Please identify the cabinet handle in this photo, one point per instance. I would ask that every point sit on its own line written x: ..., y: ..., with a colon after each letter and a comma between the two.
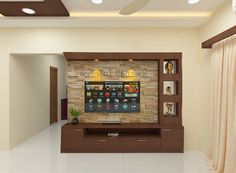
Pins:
x: 77, y: 130
x: 141, y: 140
x: 102, y: 140
x: 167, y: 130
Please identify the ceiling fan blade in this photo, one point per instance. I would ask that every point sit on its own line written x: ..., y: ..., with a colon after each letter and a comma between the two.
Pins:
x: 133, y: 7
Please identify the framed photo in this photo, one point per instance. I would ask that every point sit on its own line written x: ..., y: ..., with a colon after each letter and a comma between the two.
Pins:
x: 170, y: 109
x: 170, y: 67
x: 170, y: 88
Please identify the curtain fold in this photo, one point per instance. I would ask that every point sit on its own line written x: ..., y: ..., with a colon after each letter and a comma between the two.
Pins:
x: 223, y: 116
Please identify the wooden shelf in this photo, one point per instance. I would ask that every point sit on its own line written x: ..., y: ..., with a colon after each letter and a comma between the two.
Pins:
x: 152, y: 136
x: 171, y: 77
x: 171, y: 98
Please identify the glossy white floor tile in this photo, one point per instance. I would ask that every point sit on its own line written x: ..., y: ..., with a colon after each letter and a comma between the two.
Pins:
x: 41, y: 154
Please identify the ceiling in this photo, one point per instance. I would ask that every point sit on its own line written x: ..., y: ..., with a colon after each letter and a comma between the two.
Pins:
x: 153, y: 5
x: 157, y: 13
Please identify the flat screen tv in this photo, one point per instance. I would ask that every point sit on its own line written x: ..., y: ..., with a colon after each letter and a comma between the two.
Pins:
x: 112, y: 96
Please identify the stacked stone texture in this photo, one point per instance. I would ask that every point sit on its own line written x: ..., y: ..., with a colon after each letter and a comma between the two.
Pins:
x: 145, y: 71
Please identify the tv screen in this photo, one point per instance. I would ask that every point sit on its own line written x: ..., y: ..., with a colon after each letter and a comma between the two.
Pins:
x: 112, y: 96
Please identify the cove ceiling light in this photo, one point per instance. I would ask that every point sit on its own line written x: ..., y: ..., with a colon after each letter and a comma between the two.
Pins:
x: 193, y: 1
x: 97, y: 1
x: 28, y: 10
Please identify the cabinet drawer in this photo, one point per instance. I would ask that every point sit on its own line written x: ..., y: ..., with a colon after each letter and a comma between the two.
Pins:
x: 172, y: 135
x: 172, y: 139
x: 73, y: 135
x: 97, y: 142
x: 169, y: 131
x: 172, y: 147
x: 103, y: 145
x: 143, y: 144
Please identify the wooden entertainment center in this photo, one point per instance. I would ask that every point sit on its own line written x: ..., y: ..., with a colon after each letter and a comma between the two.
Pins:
x: 132, y: 138
x: 165, y: 136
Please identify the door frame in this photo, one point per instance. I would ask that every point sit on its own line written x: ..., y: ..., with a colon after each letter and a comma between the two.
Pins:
x: 53, y: 113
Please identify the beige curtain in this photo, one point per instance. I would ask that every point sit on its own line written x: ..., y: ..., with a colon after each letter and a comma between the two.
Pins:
x: 223, y: 131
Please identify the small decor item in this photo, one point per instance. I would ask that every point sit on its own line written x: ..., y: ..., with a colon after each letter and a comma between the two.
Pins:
x: 169, y: 88
x: 169, y: 66
x: 169, y: 109
x: 75, y: 115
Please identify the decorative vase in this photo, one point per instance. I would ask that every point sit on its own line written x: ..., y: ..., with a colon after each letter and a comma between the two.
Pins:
x: 75, y: 121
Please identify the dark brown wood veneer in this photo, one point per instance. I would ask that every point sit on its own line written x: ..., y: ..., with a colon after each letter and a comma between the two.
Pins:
x: 138, y: 138
x: 229, y: 32
x: 106, y: 56
x: 46, y: 8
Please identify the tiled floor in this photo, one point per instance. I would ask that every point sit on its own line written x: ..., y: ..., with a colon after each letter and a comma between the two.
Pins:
x: 41, y: 154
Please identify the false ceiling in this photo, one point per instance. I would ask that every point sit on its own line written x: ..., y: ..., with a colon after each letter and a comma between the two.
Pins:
x: 83, y: 13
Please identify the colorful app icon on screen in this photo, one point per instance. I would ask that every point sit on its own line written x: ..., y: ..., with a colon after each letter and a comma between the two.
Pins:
x: 108, y: 100
x: 99, y: 100
x: 113, y: 94
x: 95, y: 94
x: 116, y: 107
x: 120, y: 94
x: 90, y: 100
x: 99, y: 106
x: 90, y: 107
x: 100, y: 94
x: 100, y: 87
x: 116, y: 100
x: 133, y: 107
x: 107, y: 94
x: 89, y: 94
x: 125, y: 100
x: 108, y: 107
x: 125, y: 106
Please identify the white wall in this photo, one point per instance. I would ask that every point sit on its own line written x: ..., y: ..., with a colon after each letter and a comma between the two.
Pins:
x: 132, y: 39
x: 4, y: 98
x: 29, y: 93
x: 222, y: 19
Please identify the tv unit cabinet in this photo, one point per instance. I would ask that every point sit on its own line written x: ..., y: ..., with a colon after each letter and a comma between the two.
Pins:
x: 138, y: 138
x: 165, y: 136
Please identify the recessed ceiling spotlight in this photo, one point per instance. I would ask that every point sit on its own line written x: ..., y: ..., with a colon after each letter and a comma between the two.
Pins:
x: 28, y: 10
x: 97, y: 1
x: 193, y: 1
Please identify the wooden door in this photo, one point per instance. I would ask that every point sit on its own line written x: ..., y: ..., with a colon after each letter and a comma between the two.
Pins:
x: 53, y: 95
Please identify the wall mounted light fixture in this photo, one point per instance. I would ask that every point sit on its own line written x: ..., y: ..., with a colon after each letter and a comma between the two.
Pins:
x: 96, y: 75
x: 131, y: 75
